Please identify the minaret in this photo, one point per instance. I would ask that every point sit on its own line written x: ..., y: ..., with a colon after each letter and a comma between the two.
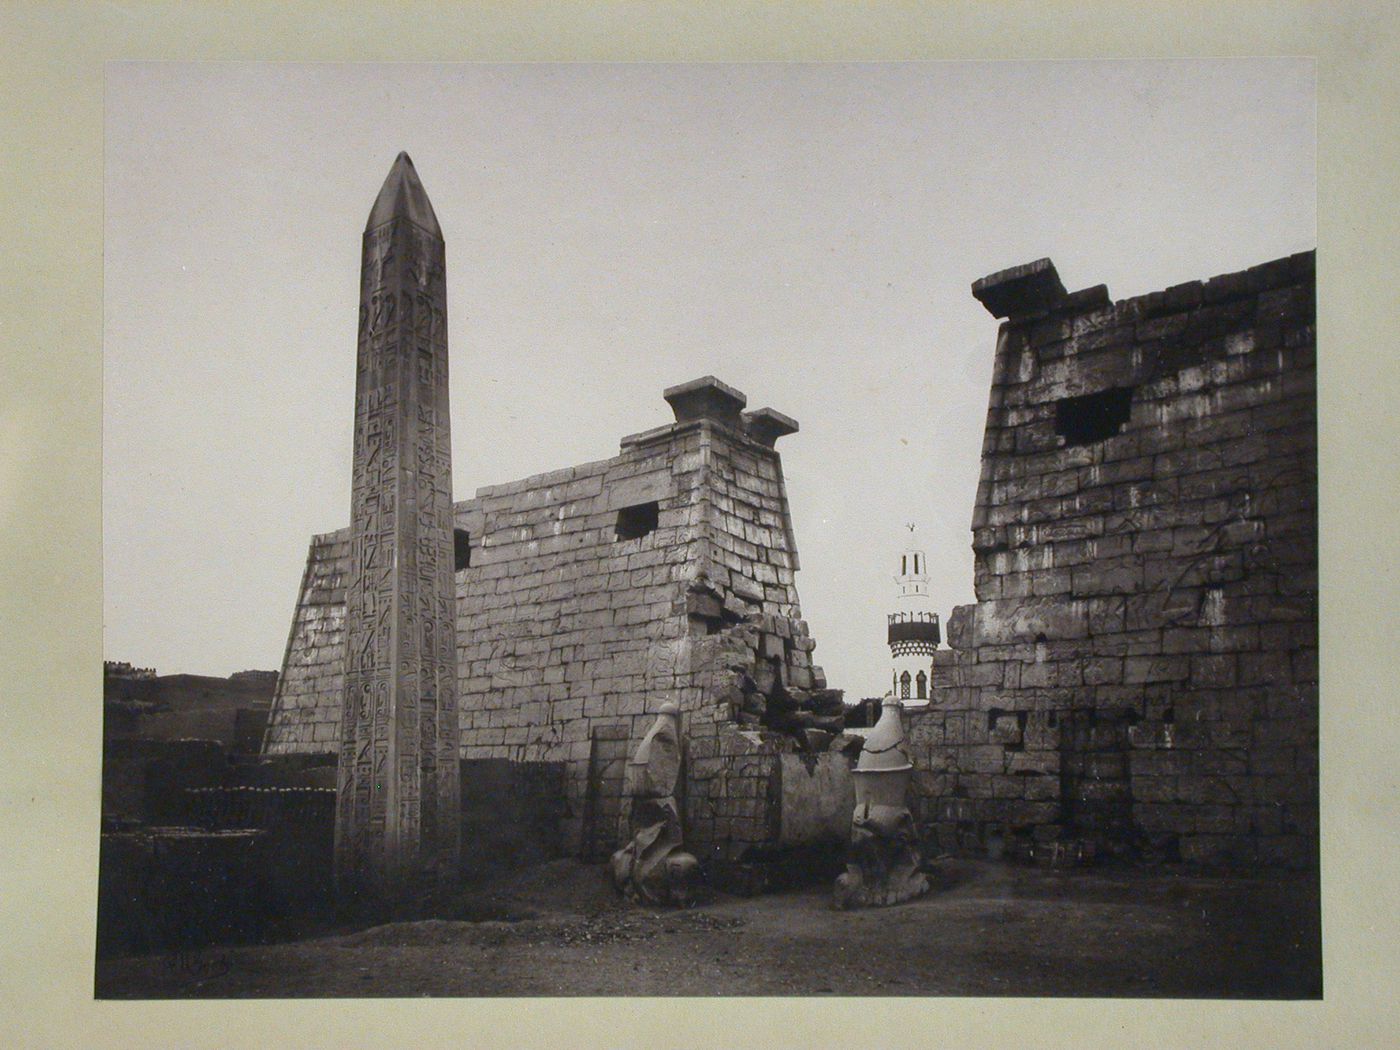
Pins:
x: 397, y: 806
x: 913, y: 629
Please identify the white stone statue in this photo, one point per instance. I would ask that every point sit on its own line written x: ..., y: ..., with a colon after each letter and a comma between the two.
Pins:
x: 884, y: 858
x: 652, y: 867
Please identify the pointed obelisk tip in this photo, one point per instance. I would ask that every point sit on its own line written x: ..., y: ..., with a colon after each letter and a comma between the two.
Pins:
x: 402, y: 197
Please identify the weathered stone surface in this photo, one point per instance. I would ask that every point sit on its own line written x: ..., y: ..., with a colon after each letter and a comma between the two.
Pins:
x: 766, y: 425
x: 1020, y: 290
x: 706, y: 398
x: 817, y: 796
x: 1036, y: 619
x: 1140, y: 586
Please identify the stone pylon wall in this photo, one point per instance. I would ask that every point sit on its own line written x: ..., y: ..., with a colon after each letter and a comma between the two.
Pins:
x: 306, y: 706
x: 1140, y: 670
x: 569, y: 631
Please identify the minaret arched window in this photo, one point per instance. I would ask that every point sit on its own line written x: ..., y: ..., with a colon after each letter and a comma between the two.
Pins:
x: 921, y: 685
x: 904, y: 686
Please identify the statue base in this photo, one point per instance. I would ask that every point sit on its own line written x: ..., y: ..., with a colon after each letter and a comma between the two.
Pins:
x: 884, y: 862
x: 652, y: 868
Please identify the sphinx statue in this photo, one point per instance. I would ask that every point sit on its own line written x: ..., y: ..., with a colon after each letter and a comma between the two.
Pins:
x: 883, y: 859
x: 652, y: 867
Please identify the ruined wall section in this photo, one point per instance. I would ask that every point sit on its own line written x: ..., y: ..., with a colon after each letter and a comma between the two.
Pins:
x: 751, y: 651
x: 306, y: 709
x: 1140, y: 671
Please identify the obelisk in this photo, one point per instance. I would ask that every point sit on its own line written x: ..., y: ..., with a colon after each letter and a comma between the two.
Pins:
x: 397, y: 804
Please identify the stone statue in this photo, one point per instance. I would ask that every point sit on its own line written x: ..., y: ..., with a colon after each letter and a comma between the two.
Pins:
x: 652, y: 867
x: 883, y: 861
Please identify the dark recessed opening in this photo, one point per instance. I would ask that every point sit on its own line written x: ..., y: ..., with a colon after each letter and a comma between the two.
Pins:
x: 637, y: 520
x: 1093, y: 417
x: 461, y: 550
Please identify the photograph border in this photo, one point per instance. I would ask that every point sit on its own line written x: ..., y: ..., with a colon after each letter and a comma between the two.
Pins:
x: 52, y: 469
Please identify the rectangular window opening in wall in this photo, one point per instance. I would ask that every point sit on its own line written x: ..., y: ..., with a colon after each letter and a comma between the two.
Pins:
x: 461, y: 550
x: 1093, y: 417
x: 637, y: 520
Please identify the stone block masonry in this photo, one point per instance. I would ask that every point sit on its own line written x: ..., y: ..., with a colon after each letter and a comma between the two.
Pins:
x: 307, y: 704
x: 588, y: 596
x: 1139, y: 673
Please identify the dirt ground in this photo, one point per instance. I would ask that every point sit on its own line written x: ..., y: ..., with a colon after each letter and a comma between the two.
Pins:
x: 985, y: 930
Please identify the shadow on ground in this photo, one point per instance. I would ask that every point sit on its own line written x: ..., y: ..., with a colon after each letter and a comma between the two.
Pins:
x: 985, y: 930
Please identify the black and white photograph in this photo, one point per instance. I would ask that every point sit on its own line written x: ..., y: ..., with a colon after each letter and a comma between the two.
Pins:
x: 710, y: 530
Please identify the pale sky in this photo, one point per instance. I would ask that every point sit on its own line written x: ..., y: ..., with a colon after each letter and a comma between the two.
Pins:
x: 807, y: 233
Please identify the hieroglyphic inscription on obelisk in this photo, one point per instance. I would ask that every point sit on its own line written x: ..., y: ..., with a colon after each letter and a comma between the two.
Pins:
x: 397, y: 807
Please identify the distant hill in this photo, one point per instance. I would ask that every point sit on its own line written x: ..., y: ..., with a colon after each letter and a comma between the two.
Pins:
x: 230, y: 710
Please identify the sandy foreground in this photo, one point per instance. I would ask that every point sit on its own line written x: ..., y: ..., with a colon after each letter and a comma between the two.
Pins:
x: 986, y: 929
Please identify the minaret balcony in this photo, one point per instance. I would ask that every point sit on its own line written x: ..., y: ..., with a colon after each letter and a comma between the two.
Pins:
x: 913, y: 633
